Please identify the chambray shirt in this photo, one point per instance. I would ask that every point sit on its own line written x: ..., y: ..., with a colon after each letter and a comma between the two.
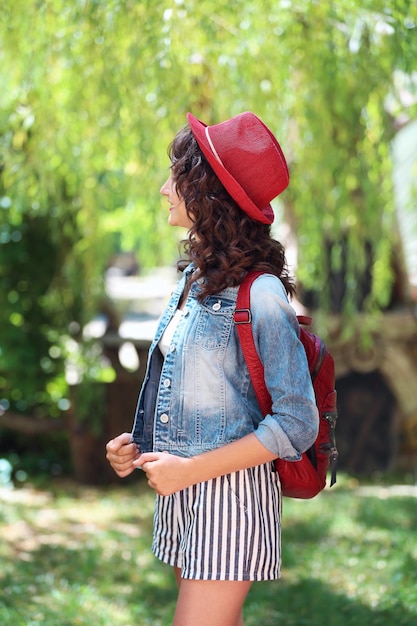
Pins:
x: 200, y: 396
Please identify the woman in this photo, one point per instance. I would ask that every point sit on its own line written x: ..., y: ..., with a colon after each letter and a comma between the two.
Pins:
x: 199, y: 435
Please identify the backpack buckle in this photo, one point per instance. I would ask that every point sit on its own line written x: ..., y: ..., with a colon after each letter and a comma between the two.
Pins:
x: 242, y: 316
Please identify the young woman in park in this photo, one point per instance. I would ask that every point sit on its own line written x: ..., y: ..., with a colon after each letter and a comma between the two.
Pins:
x: 199, y: 435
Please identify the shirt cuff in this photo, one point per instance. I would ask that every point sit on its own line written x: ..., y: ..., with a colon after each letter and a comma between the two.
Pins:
x: 271, y: 435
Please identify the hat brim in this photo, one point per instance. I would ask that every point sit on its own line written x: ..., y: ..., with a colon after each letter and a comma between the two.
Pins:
x: 266, y: 216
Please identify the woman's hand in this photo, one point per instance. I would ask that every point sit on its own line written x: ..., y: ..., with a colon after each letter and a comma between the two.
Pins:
x: 166, y: 473
x: 121, y: 453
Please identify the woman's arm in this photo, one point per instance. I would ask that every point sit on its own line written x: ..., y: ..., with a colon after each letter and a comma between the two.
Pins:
x: 292, y: 426
x: 168, y: 473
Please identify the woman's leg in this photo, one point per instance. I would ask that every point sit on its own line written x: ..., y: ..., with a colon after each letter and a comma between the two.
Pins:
x: 177, y: 572
x: 210, y: 602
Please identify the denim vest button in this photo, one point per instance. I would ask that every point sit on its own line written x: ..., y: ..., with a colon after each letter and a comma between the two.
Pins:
x: 167, y: 382
x: 172, y: 347
x: 217, y: 306
x: 164, y: 418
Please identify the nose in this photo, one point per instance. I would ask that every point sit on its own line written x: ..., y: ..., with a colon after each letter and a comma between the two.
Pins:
x: 165, y: 189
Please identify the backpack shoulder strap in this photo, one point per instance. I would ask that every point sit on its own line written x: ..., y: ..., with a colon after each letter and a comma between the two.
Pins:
x: 243, y: 321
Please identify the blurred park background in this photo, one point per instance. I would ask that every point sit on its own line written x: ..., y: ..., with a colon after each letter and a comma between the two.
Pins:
x: 91, y: 95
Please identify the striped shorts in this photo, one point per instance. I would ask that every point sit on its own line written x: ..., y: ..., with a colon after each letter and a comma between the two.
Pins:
x: 228, y: 528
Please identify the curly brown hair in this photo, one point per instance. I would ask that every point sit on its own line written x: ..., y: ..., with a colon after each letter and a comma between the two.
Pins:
x: 223, y: 242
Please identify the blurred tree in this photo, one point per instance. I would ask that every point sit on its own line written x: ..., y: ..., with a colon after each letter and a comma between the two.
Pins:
x: 92, y: 93
x: 353, y: 60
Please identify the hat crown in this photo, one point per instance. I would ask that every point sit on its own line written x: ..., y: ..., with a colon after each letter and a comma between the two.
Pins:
x: 247, y: 159
x: 252, y: 155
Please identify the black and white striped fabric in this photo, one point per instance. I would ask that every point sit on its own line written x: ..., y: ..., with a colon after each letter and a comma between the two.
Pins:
x: 228, y: 528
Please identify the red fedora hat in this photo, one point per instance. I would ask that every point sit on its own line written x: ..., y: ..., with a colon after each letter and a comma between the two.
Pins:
x: 247, y: 159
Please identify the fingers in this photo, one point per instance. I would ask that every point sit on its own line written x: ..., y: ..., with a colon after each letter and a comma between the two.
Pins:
x: 123, y: 457
x: 128, y: 451
x: 148, y: 457
x: 141, y: 460
x: 116, y: 443
x: 121, y: 452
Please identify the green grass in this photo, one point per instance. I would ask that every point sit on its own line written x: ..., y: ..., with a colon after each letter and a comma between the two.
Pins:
x: 71, y: 555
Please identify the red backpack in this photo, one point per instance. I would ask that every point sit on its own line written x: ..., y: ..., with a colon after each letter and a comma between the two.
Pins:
x: 305, y: 478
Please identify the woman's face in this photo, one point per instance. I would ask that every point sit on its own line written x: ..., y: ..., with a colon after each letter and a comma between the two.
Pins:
x: 177, y: 212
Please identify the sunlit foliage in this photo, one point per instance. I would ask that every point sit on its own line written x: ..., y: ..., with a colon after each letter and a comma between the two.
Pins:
x: 92, y: 93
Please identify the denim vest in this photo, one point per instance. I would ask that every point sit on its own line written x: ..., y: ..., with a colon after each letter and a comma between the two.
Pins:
x: 200, y: 396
